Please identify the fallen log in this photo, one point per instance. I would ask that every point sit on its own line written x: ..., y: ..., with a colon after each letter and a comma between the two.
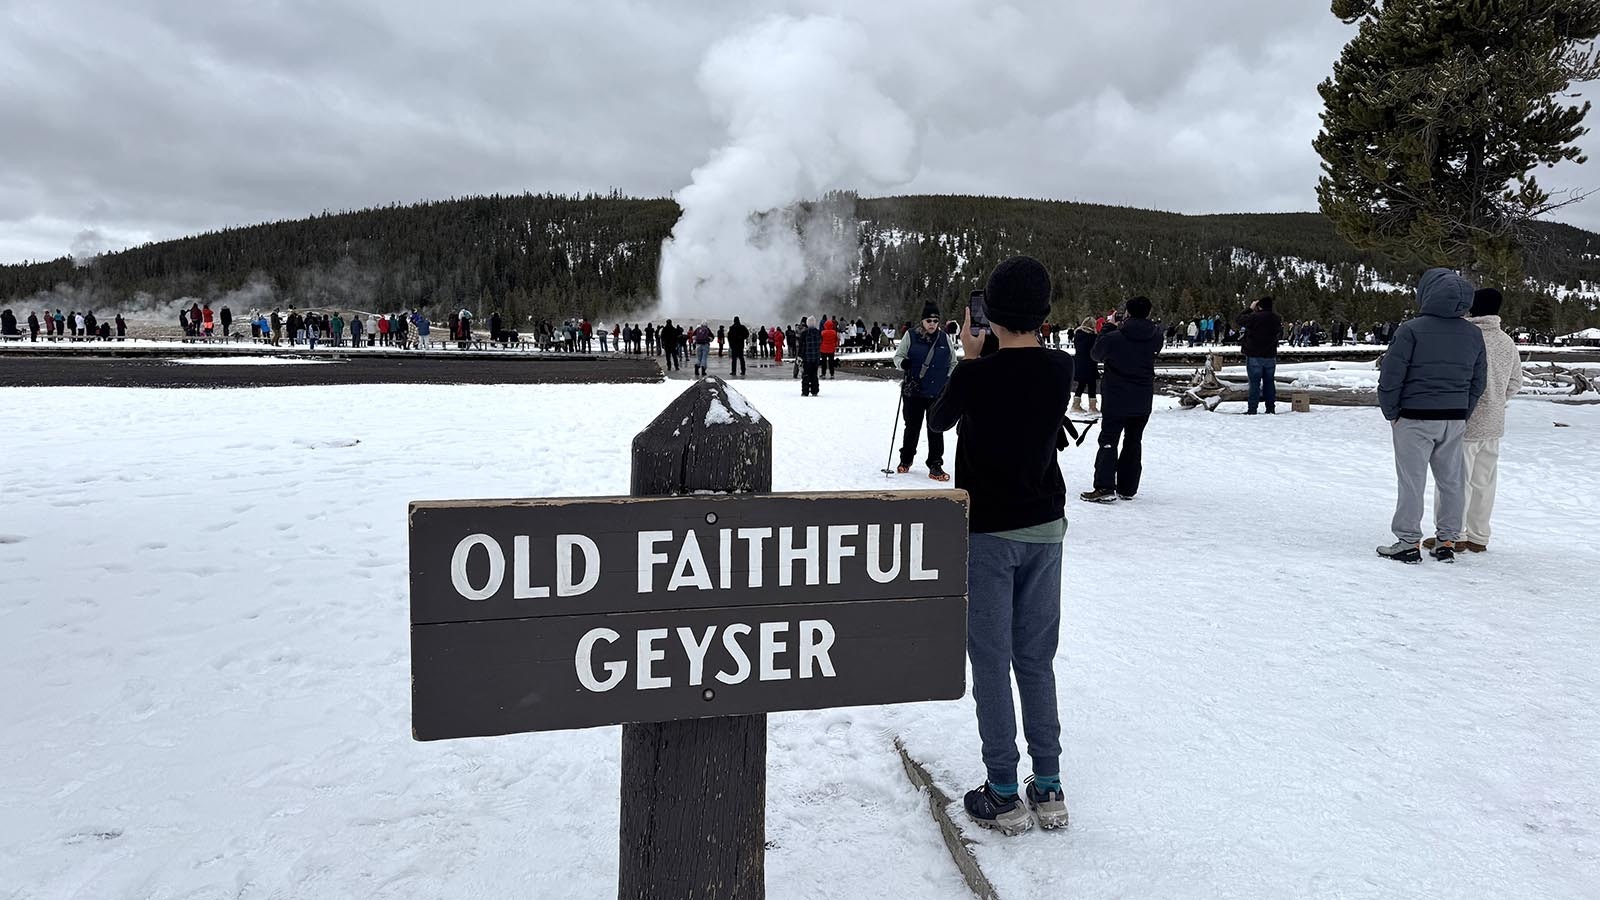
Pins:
x: 1193, y: 398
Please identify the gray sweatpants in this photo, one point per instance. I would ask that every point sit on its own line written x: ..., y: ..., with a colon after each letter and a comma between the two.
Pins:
x: 1419, y: 445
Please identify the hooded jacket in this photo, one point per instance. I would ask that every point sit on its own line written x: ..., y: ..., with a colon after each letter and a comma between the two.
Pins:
x: 1488, y: 421
x: 1262, y: 329
x: 830, y: 338
x: 1084, y: 368
x: 1129, y: 353
x: 1436, y: 366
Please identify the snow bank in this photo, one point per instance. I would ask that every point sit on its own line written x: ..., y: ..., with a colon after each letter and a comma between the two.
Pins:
x: 205, y: 654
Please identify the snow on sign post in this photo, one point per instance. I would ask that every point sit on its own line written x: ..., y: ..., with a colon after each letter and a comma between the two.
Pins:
x: 686, y: 612
x: 533, y: 615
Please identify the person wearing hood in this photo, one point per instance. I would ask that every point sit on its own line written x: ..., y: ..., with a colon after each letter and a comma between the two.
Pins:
x: 1127, y: 346
x: 1085, y: 371
x: 808, y: 353
x: 1487, y: 424
x: 33, y: 326
x: 8, y: 324
x: 1432, y: 376
x: 1010, y: 404
x: 1261, y: 328
x: 830, y: 346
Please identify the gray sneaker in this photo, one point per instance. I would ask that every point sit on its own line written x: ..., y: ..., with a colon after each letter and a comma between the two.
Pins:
x: 1400, y: 551
x: 1049, y: 806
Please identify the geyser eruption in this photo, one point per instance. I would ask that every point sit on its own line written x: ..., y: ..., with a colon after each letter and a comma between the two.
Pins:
x: 805, y: 116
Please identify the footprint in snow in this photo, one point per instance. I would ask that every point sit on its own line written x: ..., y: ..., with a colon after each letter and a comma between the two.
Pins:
x: 11, y: 538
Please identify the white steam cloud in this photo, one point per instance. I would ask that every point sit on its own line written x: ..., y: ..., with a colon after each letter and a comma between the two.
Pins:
x: 805, y: 115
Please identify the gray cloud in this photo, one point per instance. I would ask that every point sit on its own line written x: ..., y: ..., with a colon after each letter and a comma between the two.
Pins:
x: 156, y: 120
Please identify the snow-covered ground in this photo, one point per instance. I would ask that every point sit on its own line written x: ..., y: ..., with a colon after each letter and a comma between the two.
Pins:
x: 203, y: 641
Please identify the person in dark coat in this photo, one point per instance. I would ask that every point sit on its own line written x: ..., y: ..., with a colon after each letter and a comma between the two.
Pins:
x: 122, y: 328
x: 1261, y: 329
x: 738, y: 337
x: 1085, y: 371
x: 808, y: 342
x: 1128, y: 348
x: 33, y: 326
x: 8, y: 324
x: 927, y: 358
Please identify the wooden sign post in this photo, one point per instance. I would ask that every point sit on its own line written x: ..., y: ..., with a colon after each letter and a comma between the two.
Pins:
x: 685, y: 613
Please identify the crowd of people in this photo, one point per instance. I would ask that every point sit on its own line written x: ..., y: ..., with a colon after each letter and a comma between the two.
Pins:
x: 1446, y: 379
x: 60, y: 326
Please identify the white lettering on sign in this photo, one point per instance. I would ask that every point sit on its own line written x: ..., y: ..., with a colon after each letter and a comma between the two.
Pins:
x: 730, y: 643
x: 874, y: 555
x: 816, y: 639
x: 691, y: 568
x: 565, y: 544
x: 585, y: 661
x: 649, y: 558
x: 754, y: 536
x: 697, y: 652
x: 648, y: 657
x: 837, y: 549
x: 458, y: 567
x: 770, y: 648
x: 918, y: 573
x: 522, y: 579
x: 651, y: 647
x: 788, y: 554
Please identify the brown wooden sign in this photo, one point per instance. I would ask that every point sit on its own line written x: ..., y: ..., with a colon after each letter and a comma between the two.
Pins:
x: 534, y: 615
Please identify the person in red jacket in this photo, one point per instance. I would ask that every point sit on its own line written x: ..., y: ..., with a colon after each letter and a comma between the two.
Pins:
x: 775, y: 337
x: 830, y: 346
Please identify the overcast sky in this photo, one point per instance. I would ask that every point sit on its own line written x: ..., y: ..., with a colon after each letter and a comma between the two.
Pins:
x: 127, y: 122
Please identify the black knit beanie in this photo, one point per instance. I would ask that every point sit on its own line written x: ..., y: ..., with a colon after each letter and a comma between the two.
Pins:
x: 1486, y: 302
x: 930, y: 310
x: 1018, y: 294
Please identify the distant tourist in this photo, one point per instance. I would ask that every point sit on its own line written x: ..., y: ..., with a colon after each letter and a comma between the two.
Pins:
x: 1261, y: 329
x: 1085, y: 371
x: 926, y: 358
x: 1128, y: 347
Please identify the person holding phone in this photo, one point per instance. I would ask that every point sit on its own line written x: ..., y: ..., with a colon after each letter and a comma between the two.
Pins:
x: 1010, y: 404
x: 927, y: 358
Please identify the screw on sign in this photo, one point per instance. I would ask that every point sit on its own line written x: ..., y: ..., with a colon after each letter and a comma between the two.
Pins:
x: 685, y: 615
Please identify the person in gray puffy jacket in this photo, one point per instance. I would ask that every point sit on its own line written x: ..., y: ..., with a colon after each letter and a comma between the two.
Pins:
x: 1431, y: 378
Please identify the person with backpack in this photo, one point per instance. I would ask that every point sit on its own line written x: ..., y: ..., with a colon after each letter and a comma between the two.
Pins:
x: 926, y: 357
x: 1010, y: 405
x: 1127, y: 347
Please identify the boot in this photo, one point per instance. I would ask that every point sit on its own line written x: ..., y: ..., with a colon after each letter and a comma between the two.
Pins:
x: 1077, y: 403
x: 1094, y: 406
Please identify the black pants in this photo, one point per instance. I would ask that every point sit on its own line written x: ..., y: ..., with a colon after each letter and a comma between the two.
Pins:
x: 736, y: 365
x: 830, y: 363
x: 808, y: 377
x: 1120, y: 471
x: 915, y: 409
x: 1087, y: 384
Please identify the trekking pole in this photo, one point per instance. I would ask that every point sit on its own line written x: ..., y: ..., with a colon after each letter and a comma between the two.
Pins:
x: 888, y: 464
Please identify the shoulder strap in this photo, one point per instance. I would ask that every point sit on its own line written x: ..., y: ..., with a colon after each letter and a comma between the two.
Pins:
x: 927, y: 361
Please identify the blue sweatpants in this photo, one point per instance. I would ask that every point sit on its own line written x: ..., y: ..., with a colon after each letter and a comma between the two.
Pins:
x: 1013, y: 625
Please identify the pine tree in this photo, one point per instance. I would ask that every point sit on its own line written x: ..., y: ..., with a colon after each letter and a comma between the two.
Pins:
x: 1437, y: 113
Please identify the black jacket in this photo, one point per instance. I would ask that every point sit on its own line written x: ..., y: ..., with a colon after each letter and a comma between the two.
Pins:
x: 1084, y: 369
x: 1129, y: 353
x: 1261, y: 332
x: 738, y: 336
x: 1010, y: 405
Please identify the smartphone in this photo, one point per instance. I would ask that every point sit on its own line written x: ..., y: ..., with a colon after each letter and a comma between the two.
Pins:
x: 978, y: 312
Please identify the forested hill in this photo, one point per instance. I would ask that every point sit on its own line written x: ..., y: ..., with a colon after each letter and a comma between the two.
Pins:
x: 551, y: 256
